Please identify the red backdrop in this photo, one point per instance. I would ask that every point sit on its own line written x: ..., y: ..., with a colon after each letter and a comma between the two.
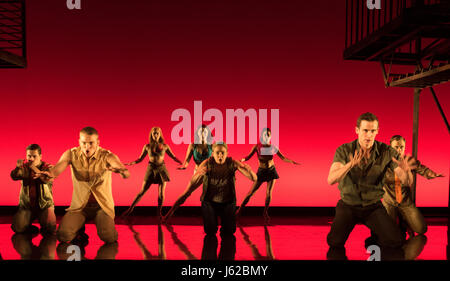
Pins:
x: 123, y: 68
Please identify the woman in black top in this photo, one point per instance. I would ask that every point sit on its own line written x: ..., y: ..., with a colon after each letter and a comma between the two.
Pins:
x: 266, y: 171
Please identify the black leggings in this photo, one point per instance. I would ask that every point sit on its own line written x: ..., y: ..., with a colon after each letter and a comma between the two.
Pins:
x: 226, y: 211
x: 374, y: 217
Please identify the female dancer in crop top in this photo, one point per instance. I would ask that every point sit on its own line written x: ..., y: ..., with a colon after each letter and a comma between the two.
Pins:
x: 266, y: 171
x: 201, y: 149
x: 156, y: 169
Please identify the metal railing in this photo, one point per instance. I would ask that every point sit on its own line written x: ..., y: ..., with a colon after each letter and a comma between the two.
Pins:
x: 12, y: 27
x: 360, y: 21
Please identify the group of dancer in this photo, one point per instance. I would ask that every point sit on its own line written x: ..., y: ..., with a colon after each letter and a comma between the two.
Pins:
x: 92, y: 165
x: 367, y: 172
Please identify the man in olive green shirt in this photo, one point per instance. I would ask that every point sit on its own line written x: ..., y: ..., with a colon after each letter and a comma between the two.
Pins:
x: 36, y: 198
x: 359, y: 167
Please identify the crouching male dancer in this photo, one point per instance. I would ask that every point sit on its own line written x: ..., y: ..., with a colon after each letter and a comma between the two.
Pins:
x: 36, y: 197
x: 360, y: 167
x: 92, y: 198
x: 398, y: 198
x: 217, y: 174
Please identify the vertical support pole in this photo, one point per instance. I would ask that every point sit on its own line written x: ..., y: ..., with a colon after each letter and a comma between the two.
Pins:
x: 415, y: 136
x: 448, y: 224
x: 346, y: 23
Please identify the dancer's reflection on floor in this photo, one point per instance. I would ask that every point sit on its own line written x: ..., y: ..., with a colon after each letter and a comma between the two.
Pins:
x: 183, y: 247
x: 255, y: 251
x: 24, y: 246
x: 145, y: 252
x: 227, y: 247
x: 107, y: 251
x: 412, y: 247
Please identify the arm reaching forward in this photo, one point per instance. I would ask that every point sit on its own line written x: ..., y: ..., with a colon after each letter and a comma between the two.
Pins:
x: 63, y: 163
x: 246, y: 170
x: 141, y: 157
x: 403, y: 171
x: 116, y: 166
x: 339, y: 170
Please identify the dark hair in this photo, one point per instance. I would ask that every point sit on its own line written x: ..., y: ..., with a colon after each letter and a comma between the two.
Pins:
x: 366, y: 117
x: 34, y: 146
x: 264, y: 130
x: 209, y: 137
x: 220, y: 143
x: 397, y: 138
x: 89, y: 131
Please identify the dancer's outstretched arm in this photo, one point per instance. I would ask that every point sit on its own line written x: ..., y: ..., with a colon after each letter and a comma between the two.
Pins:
x: 246, y: 170
x: 62, y: 164
x: 116, y: 166
x: 38, y: 173
x: 189, y: 153
x: 141, y: 157
x: 426, y: 172
x: 250, y: 155
x: 285, y: 159
x: 171, y: 155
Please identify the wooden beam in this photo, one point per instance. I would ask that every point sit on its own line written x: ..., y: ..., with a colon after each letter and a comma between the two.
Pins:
x: 383, y: 71
x: 434, y: 75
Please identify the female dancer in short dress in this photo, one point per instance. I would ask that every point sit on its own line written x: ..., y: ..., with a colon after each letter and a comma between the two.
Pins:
x: 201, y: 149
x: 266, y: 171
x: 156, y: 169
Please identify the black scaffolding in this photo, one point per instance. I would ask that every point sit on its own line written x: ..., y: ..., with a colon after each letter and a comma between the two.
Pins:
x: 12, y: 34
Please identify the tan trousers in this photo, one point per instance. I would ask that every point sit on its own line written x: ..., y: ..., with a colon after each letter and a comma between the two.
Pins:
x: 73, y: 221
x: 28, y: 251
x: 410, y: 214
x: 24, y: 217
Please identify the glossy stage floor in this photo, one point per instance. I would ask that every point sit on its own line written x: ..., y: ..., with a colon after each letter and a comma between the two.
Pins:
x: 285, y: 238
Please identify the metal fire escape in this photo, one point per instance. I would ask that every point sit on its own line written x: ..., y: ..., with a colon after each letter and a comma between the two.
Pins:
x: 12, y: 34
x: 410, y: 40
